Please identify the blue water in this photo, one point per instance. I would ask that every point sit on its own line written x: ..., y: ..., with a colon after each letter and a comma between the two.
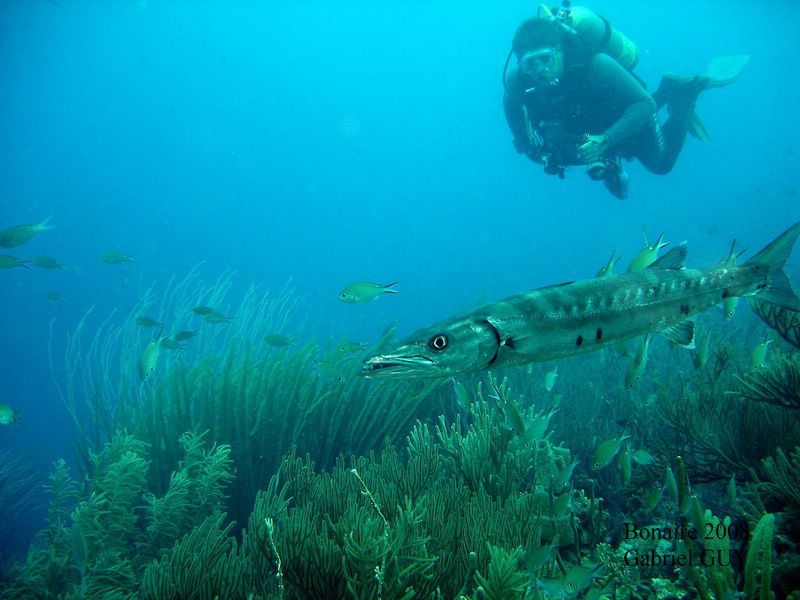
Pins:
x: 325, y: 143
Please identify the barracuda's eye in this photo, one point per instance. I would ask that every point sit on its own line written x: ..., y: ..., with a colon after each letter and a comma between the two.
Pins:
x: 438, y: 342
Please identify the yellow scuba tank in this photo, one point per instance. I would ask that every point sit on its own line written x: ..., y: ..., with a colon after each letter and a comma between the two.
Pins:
x: 596, y: 33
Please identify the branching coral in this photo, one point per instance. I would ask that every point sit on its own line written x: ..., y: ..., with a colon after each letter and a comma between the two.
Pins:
x: 777, y: 384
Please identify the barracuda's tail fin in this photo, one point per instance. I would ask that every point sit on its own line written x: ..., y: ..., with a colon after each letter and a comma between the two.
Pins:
x: 771, y: 259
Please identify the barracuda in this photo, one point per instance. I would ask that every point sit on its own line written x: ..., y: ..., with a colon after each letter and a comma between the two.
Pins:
x: 584, y: 316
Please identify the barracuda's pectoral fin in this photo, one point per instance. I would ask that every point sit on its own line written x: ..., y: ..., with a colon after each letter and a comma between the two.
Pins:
x: 681, y: 334
x: 671, y: 261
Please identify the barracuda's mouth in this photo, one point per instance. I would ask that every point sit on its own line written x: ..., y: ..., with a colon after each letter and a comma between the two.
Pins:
x: 392, y: 365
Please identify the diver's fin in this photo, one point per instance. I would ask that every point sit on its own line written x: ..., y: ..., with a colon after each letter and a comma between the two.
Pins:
x: 724, y: 70
x: 697, y: 128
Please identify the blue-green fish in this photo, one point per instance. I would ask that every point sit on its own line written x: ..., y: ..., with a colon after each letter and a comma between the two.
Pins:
x: 584, y: 316
x: 364, y: 291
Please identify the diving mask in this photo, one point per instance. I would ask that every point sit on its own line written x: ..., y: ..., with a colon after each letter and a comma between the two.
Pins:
x: 537, y: 62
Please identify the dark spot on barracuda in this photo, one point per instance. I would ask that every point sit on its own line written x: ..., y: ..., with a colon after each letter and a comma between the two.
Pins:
x: 579, y: 340
x: 598, y: 335
x: 761, y: 286
x: 725, y: 293
x: 684, y: 309
x: 510, y: 343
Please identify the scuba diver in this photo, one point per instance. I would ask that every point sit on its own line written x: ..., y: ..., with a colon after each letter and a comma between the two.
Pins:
x: 572, y: 99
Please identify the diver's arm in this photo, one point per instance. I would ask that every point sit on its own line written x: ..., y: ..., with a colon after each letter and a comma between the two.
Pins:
x: 611, y: 78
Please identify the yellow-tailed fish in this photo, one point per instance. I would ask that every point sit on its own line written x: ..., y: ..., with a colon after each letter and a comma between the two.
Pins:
x: 145, y: 321
x: 670, y: 483
x: 10, y: 262
x: 625, y: 465
x: 364, y: 291
x: 606, y: 451
x: 169, y: 343
x: 203, y: 310
x: 215, y: 317
x: 701, y: 352
x: 47, y: 262
x: 329, y: 370
x: 642, y: 457
x: 535, y: 558
x: 608, y: 269
x: 729, y: 262
x: 54, y: 295
x: 462, y: 395
x: 729, y: 306
x: 731, y: 491
x: 149, y: 359
x: 182, y: 336
x: 758, y: 357
x: 514, y: 420
x: 17, y: 235
x: 561, y: 480
x: 571, y: 585
x: 8, y: 416
x: 536, y: 428
x: 653, y: 497
x: 350, y: 347
x: 116, y: 258
x: 279, y: 341
x: 647, y: 255
x: 638, y: 364
x: 561, y: 505
x: 550, y: 379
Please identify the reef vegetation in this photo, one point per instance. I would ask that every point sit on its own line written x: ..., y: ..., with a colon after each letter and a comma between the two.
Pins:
x: 234, y: 468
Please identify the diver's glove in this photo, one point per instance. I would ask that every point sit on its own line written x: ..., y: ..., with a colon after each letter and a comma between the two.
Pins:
x: 593, y: 148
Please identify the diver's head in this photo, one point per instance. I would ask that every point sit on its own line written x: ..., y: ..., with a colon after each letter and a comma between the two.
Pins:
x: 539, y: 47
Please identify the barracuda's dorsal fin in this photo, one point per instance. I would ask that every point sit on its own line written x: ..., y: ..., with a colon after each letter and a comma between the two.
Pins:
x: 681, y: 334
x: 672, y: 260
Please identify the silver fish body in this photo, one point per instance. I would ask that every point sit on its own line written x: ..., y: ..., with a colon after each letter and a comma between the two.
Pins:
x: 583, y: 316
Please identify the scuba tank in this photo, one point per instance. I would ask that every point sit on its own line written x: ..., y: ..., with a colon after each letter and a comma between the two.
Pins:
x: 595, y: 32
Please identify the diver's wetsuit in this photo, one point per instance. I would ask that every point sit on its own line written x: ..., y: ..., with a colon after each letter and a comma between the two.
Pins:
x: 598, y: 98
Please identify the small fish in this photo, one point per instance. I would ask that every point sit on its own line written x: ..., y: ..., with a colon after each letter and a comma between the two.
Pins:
x: 116, y: 258
x: 561, y: 505
x: 643, y: 457
x: 731, y: 491
x: 536, y: 428
x: 279, y: 341
x: 329, y: 370
x: 550, y: 379
x: 350, y: 347
x: 625, y: 465
x: 8, y: 416
x: 608, y: 269
x: 364, y: 291
x: 606, y: 451
x: 47, y: 262
x: 54, y: 295
x: 203, y: 310
x: 535, y: 558
x: 182, y: 336
x: 653, y: 497
x: 462, y: 395
x: 169, y: 343
x: 729, y: 306
x: 647, y: 255
x: 758, y: 357
x: 637, y: 365
x: 215, y: 317
x: 149, y: 359
x: 561, y: 480
x: 17, y: 235
x: 145, y: 321
x: 702, y: 350
x: 9, y: 262
x: 670, y: 483
x: 571, y: 585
